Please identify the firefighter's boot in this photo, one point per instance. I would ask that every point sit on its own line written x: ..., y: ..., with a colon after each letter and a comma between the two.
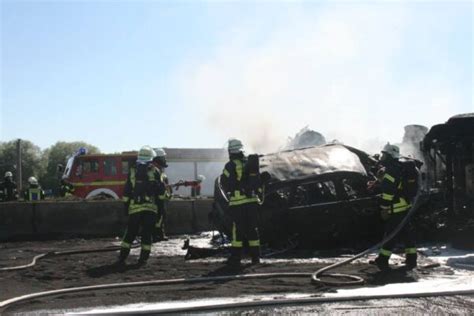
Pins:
x: 144, y: 255
x: 124, y: 252
x: 235, y: 256
x: 410, y: 262
x: 255, y: 254
x: 381, y: 262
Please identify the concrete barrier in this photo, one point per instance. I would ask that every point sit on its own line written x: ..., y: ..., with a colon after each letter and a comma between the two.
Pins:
x: 16, y: 219
x: 62, y: 219
x: 89, y: 218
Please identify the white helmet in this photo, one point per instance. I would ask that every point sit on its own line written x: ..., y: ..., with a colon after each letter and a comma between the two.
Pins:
x: 235, y: 146
x: 391, y: 150
x: 160, y: 152
x: 32, y: 181
x: 8, y: 174
x: 201, y: 178
x: 146, y: 154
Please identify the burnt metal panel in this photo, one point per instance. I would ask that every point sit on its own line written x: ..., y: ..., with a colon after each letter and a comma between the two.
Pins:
x: 309, y: 162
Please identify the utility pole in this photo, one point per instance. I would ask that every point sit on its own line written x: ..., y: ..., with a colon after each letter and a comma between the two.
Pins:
x: 18, y: 166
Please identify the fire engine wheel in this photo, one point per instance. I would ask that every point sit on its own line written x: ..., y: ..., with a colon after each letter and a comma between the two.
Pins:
x: 102, y: 192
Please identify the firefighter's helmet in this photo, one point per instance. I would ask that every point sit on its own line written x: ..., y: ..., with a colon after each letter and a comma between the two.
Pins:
x: 201, y: 178
x: 146, y: 154
x: 160, y: 152
x: 32, y: 181
x: 160, y: 157
x: 234, y: 146
x: 391, y: 150
x: 8, y: 174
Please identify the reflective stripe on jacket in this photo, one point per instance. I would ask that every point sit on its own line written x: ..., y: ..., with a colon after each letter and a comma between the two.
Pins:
x: 149, y: 203
x: 392, y: 199
x: 232, y: 174
x: 34, y: 194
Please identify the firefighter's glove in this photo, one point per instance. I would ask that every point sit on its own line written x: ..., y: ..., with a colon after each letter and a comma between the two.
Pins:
x: 385, y: 213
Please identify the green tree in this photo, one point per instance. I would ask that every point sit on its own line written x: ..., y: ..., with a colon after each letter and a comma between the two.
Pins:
x: 58, y: 154
x: 31, y: 160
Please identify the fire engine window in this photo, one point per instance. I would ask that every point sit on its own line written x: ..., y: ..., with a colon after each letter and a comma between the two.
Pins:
x: 91, y: 166
x: 110, y: 169
x: 125, y: 166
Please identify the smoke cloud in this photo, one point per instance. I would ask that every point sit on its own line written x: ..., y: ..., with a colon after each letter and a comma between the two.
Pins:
x: 335, y: 70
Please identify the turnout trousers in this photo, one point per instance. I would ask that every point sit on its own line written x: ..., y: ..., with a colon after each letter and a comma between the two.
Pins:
x: 245, y: 228
x: 146, y: 221
x: 159, y: 229
x: 406, y: 236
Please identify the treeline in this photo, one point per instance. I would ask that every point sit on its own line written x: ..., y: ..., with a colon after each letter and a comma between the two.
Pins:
x: 39, y: 163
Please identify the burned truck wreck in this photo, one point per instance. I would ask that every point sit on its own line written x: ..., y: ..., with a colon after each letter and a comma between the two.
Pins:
x: 317, y: 196
x: 449, y: 155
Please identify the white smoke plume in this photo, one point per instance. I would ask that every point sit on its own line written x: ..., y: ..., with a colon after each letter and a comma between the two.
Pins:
x: 333, y: 70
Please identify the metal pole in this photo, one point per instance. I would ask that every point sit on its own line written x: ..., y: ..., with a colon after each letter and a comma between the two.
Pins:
x: 18, y: 166
x: 193, y: 190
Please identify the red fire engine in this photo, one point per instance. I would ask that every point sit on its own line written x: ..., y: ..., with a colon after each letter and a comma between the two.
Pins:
x: 105, y: 174
x: 98, y: 174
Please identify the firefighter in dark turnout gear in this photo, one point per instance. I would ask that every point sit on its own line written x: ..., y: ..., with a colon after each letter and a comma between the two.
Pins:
x: 141, y: 195
x: 165, y: 195
x: 8, y: 188
x: 394, y: 206
x: 243, y: 204
x: 66, y: 188
x: 34, y: 192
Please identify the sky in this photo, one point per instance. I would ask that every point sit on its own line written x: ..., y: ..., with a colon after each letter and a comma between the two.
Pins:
x: 122, y: 74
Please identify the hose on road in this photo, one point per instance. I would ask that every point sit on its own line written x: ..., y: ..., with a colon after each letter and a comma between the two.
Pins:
x: 62, y: 253
x: 315, y: 277
x: 355, y: 280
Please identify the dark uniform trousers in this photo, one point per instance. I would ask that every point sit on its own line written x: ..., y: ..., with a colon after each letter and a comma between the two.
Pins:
x: 146, y: 220
x: 406, y: 235
x: 244, y: 228
x: 159, y: 230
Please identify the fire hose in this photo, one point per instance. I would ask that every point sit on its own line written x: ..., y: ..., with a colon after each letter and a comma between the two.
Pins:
x: 355, y: 280
x: 62, y: 253
x: 315, y: 277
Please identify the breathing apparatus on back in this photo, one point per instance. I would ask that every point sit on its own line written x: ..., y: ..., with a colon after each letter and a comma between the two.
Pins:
x: 144, y: 186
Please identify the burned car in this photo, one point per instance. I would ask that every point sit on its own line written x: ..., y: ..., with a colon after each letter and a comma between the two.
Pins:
x: 316, y: 195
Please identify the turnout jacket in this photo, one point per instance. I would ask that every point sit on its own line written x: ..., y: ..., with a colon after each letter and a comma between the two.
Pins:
x: 143, y: 189
x: 34, y: 193
x: 392, y: 199
x: 233, y: 182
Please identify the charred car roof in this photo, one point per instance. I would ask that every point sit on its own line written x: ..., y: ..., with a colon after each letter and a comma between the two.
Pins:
x: 313, y: 162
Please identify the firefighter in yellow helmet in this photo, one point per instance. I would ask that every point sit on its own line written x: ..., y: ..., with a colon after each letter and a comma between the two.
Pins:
x: 394, y: 206
x: 243, y: 203
x: 141, y: 197
x: 164, y: 196
x: 34, y: 191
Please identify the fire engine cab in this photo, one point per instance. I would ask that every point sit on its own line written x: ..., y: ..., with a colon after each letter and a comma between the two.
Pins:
x: 94, y: 175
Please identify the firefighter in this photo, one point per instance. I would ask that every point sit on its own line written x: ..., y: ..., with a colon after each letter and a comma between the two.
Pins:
x: 243, y: 205
x: 34, y: 191
x: 393, y: 207
x: 8, y: 188
x: 160, y: 163
x: 66, y: 188
x: 141, y: 196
